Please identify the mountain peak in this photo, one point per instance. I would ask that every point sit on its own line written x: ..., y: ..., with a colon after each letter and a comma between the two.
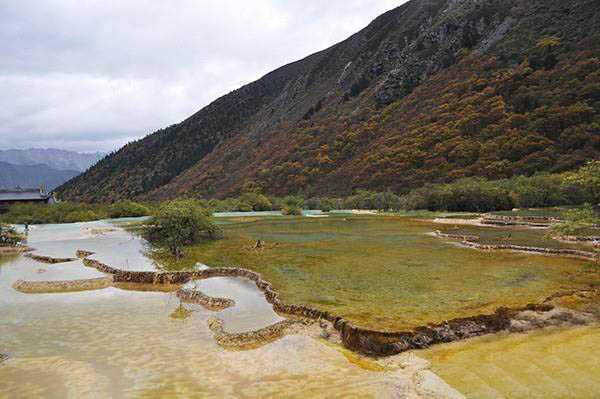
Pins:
x: 431, y: 91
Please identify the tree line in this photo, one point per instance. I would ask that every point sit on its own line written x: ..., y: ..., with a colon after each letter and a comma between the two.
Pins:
x: 472, y: 194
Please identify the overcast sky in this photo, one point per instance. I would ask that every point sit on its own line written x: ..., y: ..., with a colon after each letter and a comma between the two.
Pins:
x: 90, y: 75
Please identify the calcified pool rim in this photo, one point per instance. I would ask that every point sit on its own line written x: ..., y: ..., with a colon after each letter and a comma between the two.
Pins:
x: 366, y: 341
x: 470, y: 241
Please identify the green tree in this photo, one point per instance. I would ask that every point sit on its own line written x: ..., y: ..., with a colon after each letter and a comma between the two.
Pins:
x: 546, y: 52
x: 179, y: 223
x: 589, y: 178
x: 256, y: 201
x: 292, y: 205
x: 576, y: 221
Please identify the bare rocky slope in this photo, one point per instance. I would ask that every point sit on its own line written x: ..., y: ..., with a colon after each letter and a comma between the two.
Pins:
x: 431, y: 91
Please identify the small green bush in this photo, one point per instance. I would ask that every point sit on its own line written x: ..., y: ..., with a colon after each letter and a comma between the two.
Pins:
x: 291, y: 210
x: 80, y: 216
x: 127, y: 208
x: 363, y: 199
x: 323, y: 204
x: 576, y: 221
x: 292, y: 205
x: 256, y: 201
x: 179, y: 223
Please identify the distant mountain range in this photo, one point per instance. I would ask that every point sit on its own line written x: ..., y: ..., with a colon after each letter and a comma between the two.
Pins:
x: 56, y: 159
x: 430, y: 92
x: 33, y: 176
x: 34, y: 167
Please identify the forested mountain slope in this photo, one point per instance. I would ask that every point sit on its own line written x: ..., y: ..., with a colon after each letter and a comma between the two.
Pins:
x: 431, y: 91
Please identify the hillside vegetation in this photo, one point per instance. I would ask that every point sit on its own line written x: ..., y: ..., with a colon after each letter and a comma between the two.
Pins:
x: 431, y: 92
x: 539, y: 194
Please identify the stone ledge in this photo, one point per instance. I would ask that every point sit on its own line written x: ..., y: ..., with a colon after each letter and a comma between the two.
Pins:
x: 252, y: 339
x: 48, y: 259
x: 43, y: 287
x: 197, y: 297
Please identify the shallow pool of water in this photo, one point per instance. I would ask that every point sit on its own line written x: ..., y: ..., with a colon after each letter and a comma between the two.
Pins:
x: 111, y: 243
x: 251, y: 310
x: 138, y: 343
x: 383, y: 272
x: 386, y: 273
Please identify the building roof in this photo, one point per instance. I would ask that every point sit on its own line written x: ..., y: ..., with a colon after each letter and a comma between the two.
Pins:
x: 22, y: 195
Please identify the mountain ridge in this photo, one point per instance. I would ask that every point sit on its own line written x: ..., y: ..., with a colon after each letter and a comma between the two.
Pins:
x: 54, y: 158
x: 32, y: 176
x: 326, y: 124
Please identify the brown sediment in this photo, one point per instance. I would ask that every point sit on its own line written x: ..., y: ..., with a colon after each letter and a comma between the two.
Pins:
x: 370, y: 342
x: 48, y: 259
x: 209, y: 302
x: 43, y: 287
x: 147, y: 287
x: 256, y: 338
x: 13, y: 250
x: 81, y: 254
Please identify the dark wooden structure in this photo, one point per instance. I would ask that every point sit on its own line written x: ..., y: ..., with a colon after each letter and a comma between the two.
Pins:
x: 24, y: 196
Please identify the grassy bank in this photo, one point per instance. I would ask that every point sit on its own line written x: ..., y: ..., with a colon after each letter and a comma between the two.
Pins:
x: 70, y: 212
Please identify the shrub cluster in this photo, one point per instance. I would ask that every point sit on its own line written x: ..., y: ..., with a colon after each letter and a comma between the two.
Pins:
x: 178, y: 223
x: 127, y: 208
x: 62, y: 212
x: 577, y: 221
x: 70, y: 212
x: 481, y: 195
x: 292, y: 205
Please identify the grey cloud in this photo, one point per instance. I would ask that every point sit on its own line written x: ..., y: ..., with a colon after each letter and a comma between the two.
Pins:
x: 94, y: 75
